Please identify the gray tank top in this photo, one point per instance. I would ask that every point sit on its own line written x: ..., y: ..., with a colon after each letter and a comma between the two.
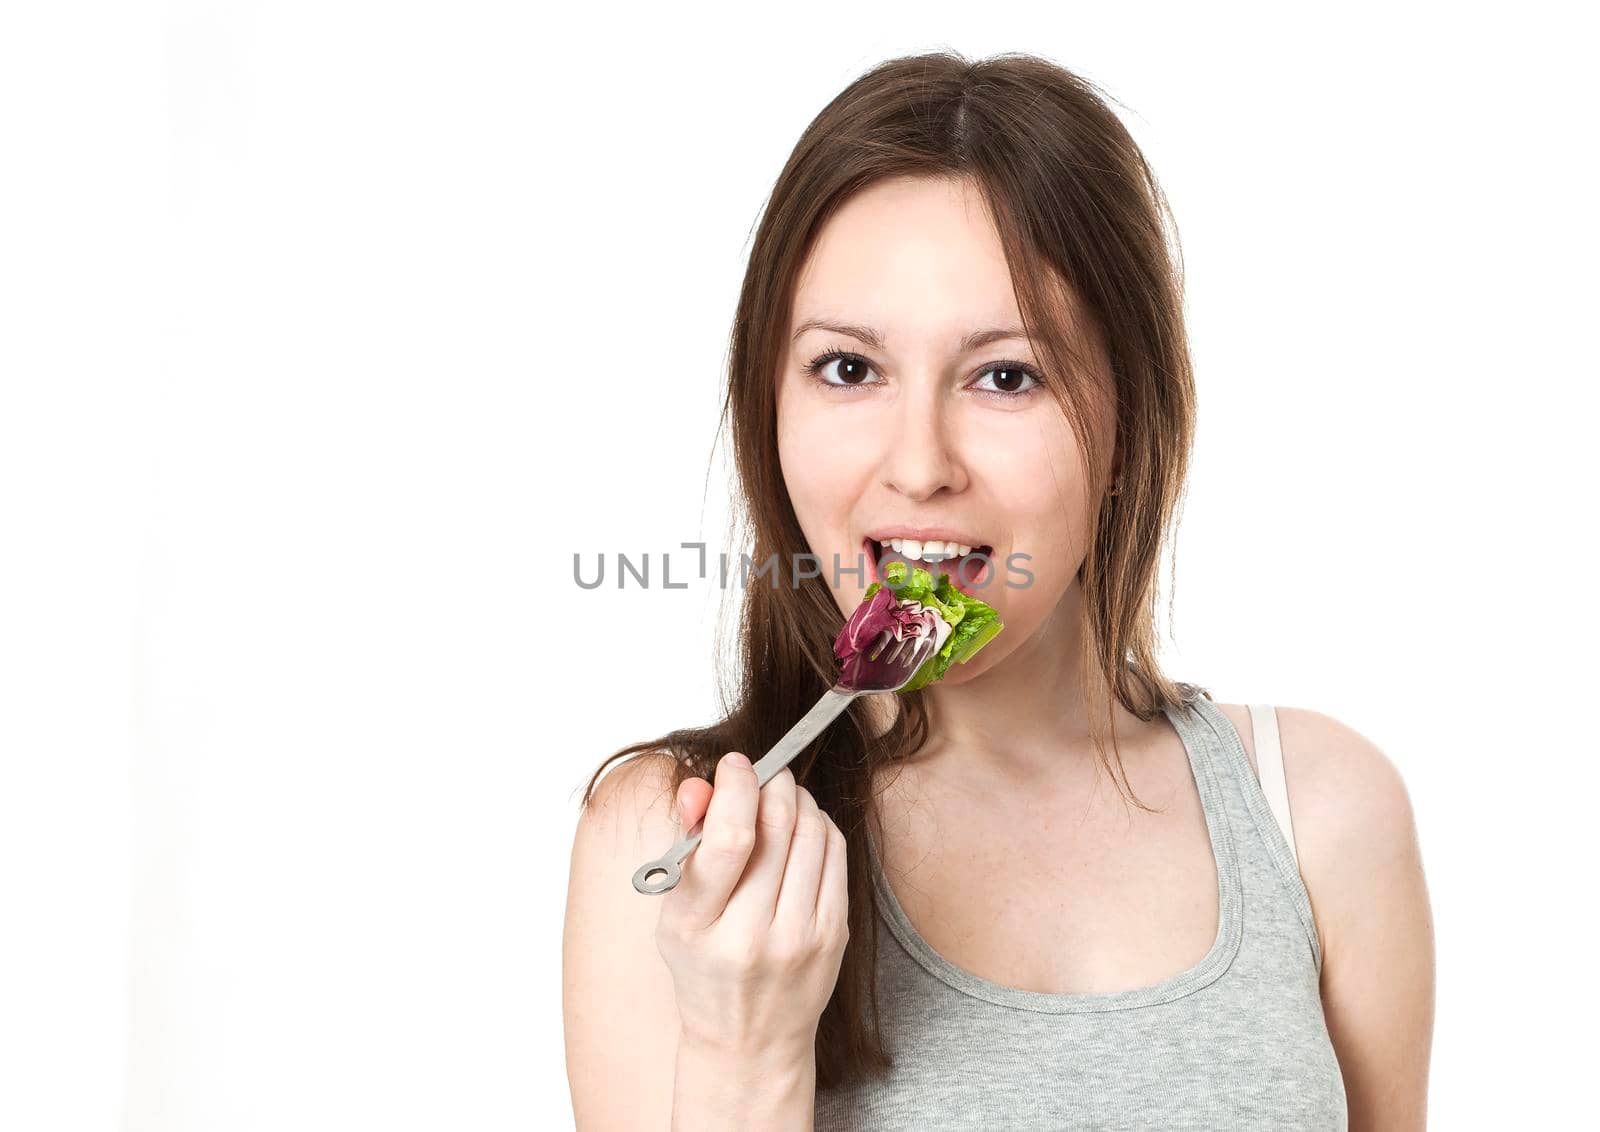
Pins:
x: 1237, y: 1041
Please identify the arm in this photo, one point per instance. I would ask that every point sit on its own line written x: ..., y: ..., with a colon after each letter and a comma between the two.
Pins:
x: 1360, y: 858
x: 626, y: 1065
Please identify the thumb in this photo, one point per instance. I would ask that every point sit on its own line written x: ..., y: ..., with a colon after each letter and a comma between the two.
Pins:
x: 694, y: 799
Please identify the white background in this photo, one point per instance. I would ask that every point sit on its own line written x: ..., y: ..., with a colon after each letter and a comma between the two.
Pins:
x: 331, y: 331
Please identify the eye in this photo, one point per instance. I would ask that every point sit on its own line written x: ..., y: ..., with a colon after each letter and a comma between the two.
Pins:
x: 1010, y: 378
x: 840, y: 368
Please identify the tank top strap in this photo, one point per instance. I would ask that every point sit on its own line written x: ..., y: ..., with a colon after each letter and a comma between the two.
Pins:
x: 1263, y: 835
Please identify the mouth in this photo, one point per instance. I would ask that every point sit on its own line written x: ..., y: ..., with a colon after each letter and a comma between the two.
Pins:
x: 970, y: 572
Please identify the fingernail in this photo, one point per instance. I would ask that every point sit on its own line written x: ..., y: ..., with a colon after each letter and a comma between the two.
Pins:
x: 736, y: 759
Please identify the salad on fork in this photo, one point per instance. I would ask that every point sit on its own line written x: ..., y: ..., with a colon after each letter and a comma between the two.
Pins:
x: 905, y: 634
x: 901, y: 613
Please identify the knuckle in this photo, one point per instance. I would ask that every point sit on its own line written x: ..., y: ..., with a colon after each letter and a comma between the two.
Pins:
x: 833, y: 929
x: 735, y: 954
x: 782, y: 954
x: 811, y: 827
x: 673, y: 933
x: 729, y: 840
x: 792, y: 954
x: 778, y: 805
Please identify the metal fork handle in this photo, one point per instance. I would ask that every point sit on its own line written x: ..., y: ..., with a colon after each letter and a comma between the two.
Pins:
x: 662, y: 875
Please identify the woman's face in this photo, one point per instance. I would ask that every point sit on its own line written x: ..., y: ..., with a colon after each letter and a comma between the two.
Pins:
x: 895, y: 425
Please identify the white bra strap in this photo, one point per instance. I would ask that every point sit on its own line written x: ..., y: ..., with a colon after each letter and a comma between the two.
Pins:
x: 1269, y: 766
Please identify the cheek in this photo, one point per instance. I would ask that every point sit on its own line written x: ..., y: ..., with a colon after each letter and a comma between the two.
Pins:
x: 1040, y: 454
x: 1045, y: 494
x: 823, y: 454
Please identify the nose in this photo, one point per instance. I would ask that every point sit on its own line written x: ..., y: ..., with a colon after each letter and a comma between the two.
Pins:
x: 919, y: 458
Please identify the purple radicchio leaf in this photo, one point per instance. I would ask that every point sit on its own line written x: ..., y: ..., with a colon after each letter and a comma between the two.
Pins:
x: 855, y: 644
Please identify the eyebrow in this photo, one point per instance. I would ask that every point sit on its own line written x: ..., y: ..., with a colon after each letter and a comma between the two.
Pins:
x: 872, y: 338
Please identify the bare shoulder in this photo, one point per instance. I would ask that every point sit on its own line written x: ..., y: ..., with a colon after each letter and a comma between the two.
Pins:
x: 1342, y: 786
x: 638, y: 791
x: 1335, y: 774
x: 1361, y: 860
x: 1349, y: 803
x: 628, y: 814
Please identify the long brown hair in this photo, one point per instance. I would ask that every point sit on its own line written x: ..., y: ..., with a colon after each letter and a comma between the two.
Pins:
x: 1074, y: 203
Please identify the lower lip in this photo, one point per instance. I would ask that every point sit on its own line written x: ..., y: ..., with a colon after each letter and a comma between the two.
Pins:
x: 971, y: 583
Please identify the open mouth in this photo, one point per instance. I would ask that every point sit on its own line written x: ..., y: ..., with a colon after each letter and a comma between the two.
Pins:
x: 970, y: 572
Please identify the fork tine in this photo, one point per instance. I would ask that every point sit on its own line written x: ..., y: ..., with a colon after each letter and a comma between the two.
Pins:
x: 911, y: 652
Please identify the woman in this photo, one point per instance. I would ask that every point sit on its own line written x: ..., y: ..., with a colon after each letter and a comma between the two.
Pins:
x: 960, y: 324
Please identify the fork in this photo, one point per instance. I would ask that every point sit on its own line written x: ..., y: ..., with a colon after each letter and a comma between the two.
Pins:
x: 885, y: 669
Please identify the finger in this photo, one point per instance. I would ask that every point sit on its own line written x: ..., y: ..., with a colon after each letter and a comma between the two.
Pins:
x: 694, y: 795
x: 756, y: 898
x: 802, y: 872
x: 726, y: 841
x: 833, y: 892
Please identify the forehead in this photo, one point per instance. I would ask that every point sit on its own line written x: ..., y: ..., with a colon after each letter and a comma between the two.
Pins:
x: 910, y: 256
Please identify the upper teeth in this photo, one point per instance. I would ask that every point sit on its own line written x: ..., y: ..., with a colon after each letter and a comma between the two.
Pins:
x: 933, y: 550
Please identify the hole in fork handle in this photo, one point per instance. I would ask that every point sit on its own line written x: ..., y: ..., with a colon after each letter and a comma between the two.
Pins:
x: 657, y: 877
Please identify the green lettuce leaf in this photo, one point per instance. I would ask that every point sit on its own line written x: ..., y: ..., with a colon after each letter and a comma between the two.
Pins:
x: 973, y: 622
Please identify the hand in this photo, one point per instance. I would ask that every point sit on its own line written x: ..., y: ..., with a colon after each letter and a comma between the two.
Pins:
x: 756, y: 928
